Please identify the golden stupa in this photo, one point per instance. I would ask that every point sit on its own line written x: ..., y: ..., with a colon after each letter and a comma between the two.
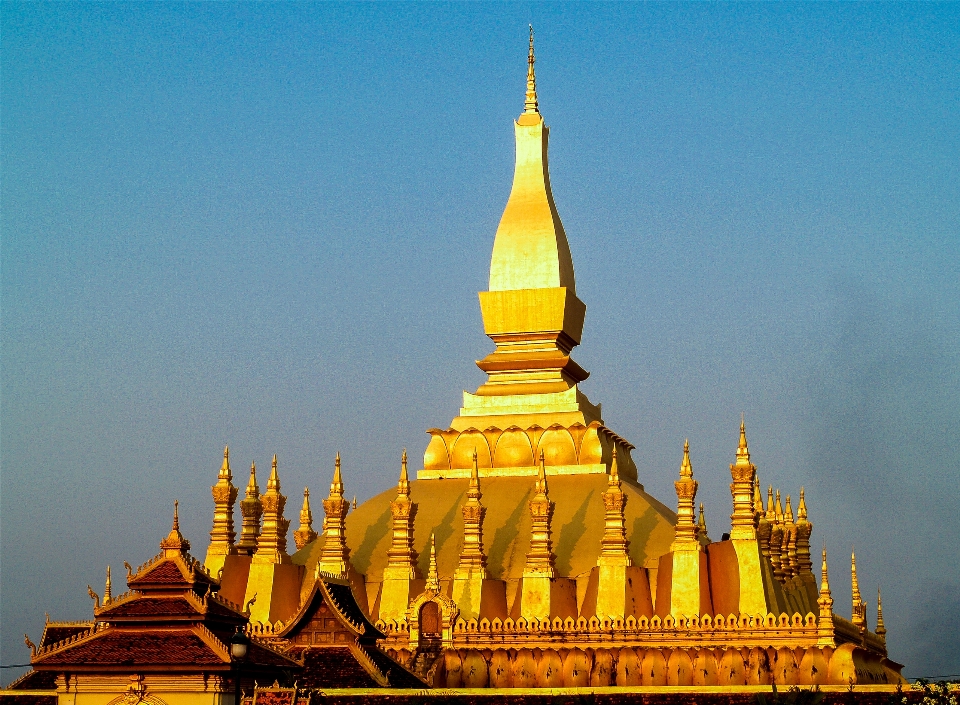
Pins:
x: 526, y: 553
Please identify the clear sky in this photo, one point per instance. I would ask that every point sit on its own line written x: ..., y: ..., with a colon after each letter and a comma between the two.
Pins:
x: 266, y: 225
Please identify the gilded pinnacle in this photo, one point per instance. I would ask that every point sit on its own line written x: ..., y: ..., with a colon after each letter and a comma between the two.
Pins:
x: 433, y: 579
x: 614, y: 469
x: 801, y: 508
x: 107, y: 594
x: 336, y: 487
x: 530, y: 105
x: 686, y: 470
x: 403, y: 486
x: 743, y: 452
x: 274, y: 482
x: 225, y: 473
x: 253, y: 490
x: 788, y: 517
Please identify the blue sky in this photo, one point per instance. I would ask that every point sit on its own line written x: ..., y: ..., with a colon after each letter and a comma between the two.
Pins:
x: 266, y: 224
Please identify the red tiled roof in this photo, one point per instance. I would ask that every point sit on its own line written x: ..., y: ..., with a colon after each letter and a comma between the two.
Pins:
x: 52, y: 633
x: 165, y: 573
x: 35, y: 680
x: 149, y: 607
x: 121, y: 647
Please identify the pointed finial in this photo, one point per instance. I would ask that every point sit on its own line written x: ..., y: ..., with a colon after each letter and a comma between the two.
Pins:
x: 530, y: 105
x: 824, y: 579
x: 403, y: 486
x: 788, y: 516
x: 854, y: 583
x: 174, y: 542
x: 686, y: 469
x: 274, y: 482
x: 475, y: 473
x: 305, y: 511
x: 881, y: 629
x: 757, y: 497
x: 614, y: 469
x: 336, y: 487
x: 433, y: 580
x: 541, y: 486
x: 354, y: 501
x: 778, y: 508
x: 802, y: 507
x: 743, y: 451
x: 225, y: 468
x: 253, y: 490
x: 107, y: 589
x: 702, y: 522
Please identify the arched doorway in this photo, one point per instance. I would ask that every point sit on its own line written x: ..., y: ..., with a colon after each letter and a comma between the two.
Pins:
x: 430, y: 624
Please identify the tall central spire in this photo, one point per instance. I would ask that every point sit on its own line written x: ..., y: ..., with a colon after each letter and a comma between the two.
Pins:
x: 533, y: 316
x: 530, y: 105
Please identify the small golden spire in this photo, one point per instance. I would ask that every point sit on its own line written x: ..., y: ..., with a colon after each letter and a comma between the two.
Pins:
x: 336, y: 487
x: 530, y: 105
x: 305, y: 533
x: 743, y: 452
x: 685, y: 532
x: 473, y: 489
x: 541, y: 486
x: 540, y: 557
x: 788, y: 515
x: 859, y: 611
x: 686, y: 470
x: 251, y: 507
x: 771, y: 512
x: 225, y: 468
x: 613, y: 543
x: 881, y: 629
x: 757, y: 497
x: 272, y: 542
x: 107, y: 592
x: 403, y: 486
x: 174, y: 543
x: 824, y: 578
x: 825, y: 629
x: 273, y: 483
x: 779, y: 509
x: 335, y: 556
x: 433, y: 580
x: 354, y: 501
x: 801, y: 507
x: 702, y: 523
